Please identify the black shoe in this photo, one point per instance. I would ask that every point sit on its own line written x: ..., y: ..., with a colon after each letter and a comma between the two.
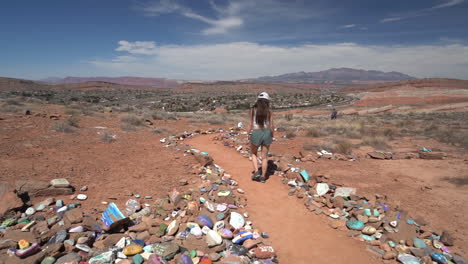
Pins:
x: 257, y: 175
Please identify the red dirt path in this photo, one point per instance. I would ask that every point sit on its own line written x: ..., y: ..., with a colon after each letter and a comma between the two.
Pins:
x: 297, y: 234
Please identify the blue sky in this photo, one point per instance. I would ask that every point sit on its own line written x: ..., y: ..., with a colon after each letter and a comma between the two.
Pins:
x: 231, y: 39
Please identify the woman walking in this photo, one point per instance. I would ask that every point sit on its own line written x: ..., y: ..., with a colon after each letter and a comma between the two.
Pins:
x: 261, y: 134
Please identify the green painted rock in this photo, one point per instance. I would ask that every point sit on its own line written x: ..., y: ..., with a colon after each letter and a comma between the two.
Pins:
x: 48, y: 260
x: 162, y: 230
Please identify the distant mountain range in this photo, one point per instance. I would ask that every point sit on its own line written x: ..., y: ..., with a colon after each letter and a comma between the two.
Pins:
x: 126, y: 80
x: 335, y: 74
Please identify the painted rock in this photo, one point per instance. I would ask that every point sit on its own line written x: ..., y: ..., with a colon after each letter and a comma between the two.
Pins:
x: 132, y: 249
x: 24, y: 253
x: 221, y: 207
x: 184, y: 259
x: 76, y: 229
x: 408, y: 259
x: 155, y: 259
x: 213, y: 238
x: 60, y: 183
x: 226, y: 233
x: 355, y: 224
x: 172, y: 228
x: 419, y: 243
x: 30, y: 211
x: 242, y: 236
x: 218, y: 226
x: 40, y: 207
x: 369, y: 230
x: 82, y: 197
x: 264, y: 252
x: 236, y: 220
x: 22, y: 244
x: 322, y: 188
x: 138, y: 259
x: 204, y: 220
x: 439, y: 258
x: 167, y: 250
x: 104, y: 258
x: 196, y: 231
x: 48, y: 260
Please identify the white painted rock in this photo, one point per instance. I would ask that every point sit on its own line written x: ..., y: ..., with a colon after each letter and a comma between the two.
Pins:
x: 213, y: 238
x: 82, y: 197
x: 322, y: 189
x: 236, y: 221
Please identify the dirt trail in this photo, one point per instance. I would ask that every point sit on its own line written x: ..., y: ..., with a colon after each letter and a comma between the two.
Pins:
x: 298, y: 235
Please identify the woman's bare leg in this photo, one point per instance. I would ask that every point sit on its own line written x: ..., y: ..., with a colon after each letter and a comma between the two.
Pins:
x: 253, y: 150
x: 265, y: 150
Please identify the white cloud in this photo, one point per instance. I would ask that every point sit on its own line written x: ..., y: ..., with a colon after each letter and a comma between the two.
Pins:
x: 448, y: 3
x: 422, y: 12
x: 239, y: 60
x: 348, y: 26
x: 227, y: 17
x: 137, y: 47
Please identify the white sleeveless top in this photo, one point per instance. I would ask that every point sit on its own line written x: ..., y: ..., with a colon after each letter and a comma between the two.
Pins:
x: 267, y: 121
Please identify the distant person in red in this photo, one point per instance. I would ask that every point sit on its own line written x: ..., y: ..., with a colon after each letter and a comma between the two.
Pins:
x: 260, y: 131
x: 334, y: 114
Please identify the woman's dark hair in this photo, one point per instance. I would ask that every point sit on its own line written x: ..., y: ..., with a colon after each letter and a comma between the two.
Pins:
x: 262, y: 112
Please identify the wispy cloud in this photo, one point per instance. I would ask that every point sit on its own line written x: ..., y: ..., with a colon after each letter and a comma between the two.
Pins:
x: 422, y: 12
x: 348, y: 26
x: 237, y: 60
x: 226, y: 19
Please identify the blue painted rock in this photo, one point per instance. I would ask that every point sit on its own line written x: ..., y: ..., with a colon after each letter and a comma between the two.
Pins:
x: 439, y: 258
x: 184, y: 259
x: 242, y: 236
x: 355, y: 224
x: 204, y: 220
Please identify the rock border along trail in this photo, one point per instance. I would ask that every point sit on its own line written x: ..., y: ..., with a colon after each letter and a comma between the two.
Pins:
x: 298, y: 235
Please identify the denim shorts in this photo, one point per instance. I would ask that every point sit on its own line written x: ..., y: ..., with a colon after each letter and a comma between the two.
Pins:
x: 261, y: 137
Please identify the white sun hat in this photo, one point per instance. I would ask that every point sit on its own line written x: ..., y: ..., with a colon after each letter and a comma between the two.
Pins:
x: 263, y: 95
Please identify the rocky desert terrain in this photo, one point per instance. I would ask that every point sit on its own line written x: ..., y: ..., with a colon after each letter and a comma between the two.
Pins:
x: 386, y: 182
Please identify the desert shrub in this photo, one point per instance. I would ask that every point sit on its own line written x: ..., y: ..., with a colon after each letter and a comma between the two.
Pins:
x: 342, y: 146
x: 310, y: 147
x: 313, y: 132
x: 291, y: 134
x: 389, y: 133
x: 6, y: 108
x: 132, y: 119
x: 13, y: 102
x: 70, y: 111
x: 376, y: 142
x: 73, y: 121
x: 128, y: 127
x: 107, y: 137
x: 63, y: 127
x: 289, y: 117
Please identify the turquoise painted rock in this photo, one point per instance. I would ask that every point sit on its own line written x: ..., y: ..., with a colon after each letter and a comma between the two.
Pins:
x: 355, y: 224
x: 138, y: 259
x: 220, y: 216
x: 418, y: 243
x: 367, y: 238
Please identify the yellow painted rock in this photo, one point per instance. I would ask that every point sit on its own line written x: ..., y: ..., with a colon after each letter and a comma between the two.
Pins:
x: 132, y: 249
